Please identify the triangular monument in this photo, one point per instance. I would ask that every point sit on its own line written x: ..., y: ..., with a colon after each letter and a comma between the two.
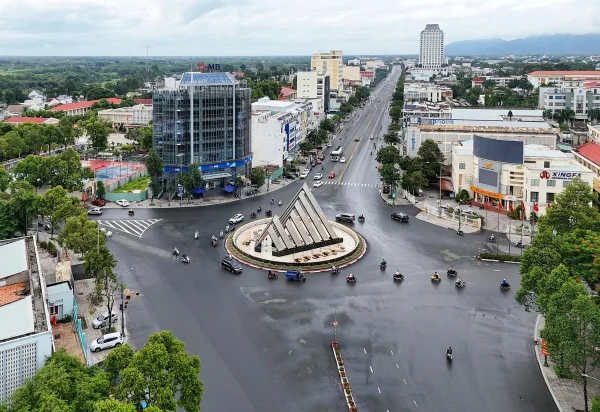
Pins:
x: 301, y: 227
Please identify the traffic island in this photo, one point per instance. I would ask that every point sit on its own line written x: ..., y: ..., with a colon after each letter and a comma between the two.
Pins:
x: 337, y: 353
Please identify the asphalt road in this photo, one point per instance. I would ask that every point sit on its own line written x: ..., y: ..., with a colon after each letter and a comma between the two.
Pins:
x: 265, y: 345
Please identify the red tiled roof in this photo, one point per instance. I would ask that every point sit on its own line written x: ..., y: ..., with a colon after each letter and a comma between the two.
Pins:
x: 286, y: 91
x: 80, y: 105
x: 8, y: 294
x: 19, y: 120
x: 143, y: 101
x: 478, y: 80
x: 591, y: 85
x: 590, y: 151
x: 566, y: 73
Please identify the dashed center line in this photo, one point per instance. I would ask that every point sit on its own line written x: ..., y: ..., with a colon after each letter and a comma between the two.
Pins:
x: 365, y: 351
x: 416, y: 404
x: 392, y: 353
x: 397, y: 366
x: 370, y: 367
x: 405, y: 381
x: 379, y: 389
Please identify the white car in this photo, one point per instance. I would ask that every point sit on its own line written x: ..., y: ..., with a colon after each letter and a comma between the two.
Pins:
x: 110, y: 340
x: 122, y: 202
x: 304, y: 175
x: 329, y: 144
x: 95, y: 211
x: 102, y: 320
x: 108, y: 233
x: 318, y: 176
x: 318, y: 183
x: 343, y: 160
x: 236, y: 219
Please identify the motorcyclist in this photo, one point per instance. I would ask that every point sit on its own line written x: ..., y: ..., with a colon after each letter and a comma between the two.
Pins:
x: 280, y: 203
x: 196, y: 234
x: 371, y: 153
x: 451, y: 270
x: 397, y: 273
x: 492, y: 237
x: 227, y: 228
x: 272, y: 200
x: 184, y: 257
x: 351, y: 277
x: 436, y: 275
x: 334, y: 269
x: 504, y: 283
x: 220, y: 234
x: 449, y: 350
x: 383, y: 262
x: 361, y: 217
x: 259, y: 209
x: 175, y: 251
x: 458, y: 281
x: 322, y: 167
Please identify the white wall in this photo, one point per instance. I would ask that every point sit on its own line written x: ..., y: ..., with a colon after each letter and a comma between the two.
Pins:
x: 268, y: 140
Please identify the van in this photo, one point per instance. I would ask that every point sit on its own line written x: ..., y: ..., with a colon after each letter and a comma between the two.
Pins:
x: 304, y: 174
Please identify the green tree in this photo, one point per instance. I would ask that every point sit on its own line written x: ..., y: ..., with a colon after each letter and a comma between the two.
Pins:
x: 66, y: 170
x: 431, y: 160
x: 33, y: 169
x: 572, y: 210
x: 159, y: 371
x: 463, y: 196
x: 142, y: 135
x: 155, y: 166
x: 5, y: 179
x: 57, y: 206
x: 413, y: 181
x: 388, y: 155
x: 80, y: 234
x: 97, y: 131
x: 390, y: 174
x: 97, y: 263
x: 9, y: 220
x: 12, y: 145
x: 258, y: 176
x: 67, y: 131
x: 327, y: 125
x: 192, y: 179
x: 396, y: 113
x: 391, y: 138
x: 24, y: 202
x: 306, y: 146
x: 100, y: 188
x: 111, y: 405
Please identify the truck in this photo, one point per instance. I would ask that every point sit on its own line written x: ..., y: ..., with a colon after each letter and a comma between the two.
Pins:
x: 337, y: 152
x: 295, y: 275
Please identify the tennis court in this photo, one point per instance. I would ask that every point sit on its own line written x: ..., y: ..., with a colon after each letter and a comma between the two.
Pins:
x: 110, y: 172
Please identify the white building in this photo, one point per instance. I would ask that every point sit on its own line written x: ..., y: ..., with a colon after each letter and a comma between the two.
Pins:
x: 556, y: 78
x: 426, y: 92
x: 581, y: 96
x: 431, y: 54
x: 277, y: 129
x: 525, y: 125
x: 313, y: 85
x: 353, y: 62
x: 62, y: 99
x: 25, y: 336
x: 331, y: 64
x: 544, y: 174
x: 138, y: 115
x: 352, y: 73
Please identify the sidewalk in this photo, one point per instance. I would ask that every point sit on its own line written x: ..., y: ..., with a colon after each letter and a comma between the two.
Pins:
x: 567, y: 393
x: 207, y: 201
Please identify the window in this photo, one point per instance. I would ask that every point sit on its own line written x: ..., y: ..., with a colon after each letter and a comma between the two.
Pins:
x: 53, y: 310
x: 566, y: 183
x: 549, y: 197
x: 534, y: 197
x: 551, y: 183
x: 461, y: 166
x: 546, y: 164
x: 535, y: 182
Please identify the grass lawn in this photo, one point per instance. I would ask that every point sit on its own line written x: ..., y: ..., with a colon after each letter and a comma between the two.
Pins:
x: 138, y: 184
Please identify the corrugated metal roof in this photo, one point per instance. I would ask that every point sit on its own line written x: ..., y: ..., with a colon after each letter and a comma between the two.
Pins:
x: 17, y: 318
x: 14, y: 258
x: 493, y: 114
x: 206, y: 79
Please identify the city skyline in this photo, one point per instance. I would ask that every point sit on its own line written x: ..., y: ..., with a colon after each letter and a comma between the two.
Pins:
x: 263, y: 27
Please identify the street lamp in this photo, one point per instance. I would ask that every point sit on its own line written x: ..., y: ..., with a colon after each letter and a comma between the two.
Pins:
x: 180, y: 156
x: 585, y: 375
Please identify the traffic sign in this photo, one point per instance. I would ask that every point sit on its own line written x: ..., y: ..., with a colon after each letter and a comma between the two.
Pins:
x: 393, y: 195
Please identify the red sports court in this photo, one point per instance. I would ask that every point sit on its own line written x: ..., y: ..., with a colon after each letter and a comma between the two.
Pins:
x: 110, y: 172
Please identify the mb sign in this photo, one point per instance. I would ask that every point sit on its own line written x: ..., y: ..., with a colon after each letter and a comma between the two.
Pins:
x: 413, y: 141
x: 559, y: 175
x: 207, y: 68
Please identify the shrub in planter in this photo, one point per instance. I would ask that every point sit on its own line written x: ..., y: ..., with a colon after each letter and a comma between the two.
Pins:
x: 506, y: 258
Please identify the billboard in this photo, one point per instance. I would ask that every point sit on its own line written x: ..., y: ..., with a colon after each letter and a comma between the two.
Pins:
x: 489, y: 175
x: 504, y: 151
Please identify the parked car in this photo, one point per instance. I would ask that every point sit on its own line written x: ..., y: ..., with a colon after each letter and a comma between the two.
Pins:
x: 318, y: 183
x: 99, y: 202
x: 304, y: 175
x: 122, y: 202
x: 386, y: 189
x: 95, y: 211
x: 342, y: 160
x: 319, y: 161
x: 329, y: 144
x: 231, y: 265
x: 110, y: 340
x: 345, y: 217
x: 236, y: 219
x: 399, y: 216
x: 102, y: 320
x: 318, y: 176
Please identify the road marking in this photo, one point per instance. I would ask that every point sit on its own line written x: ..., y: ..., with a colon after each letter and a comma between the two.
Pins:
x: 416, y: 404
x: 397, y: 366
x: 371, y: 369
x: 379, y: 389
x: 365, y: 351
x: 352, y: 155
x: 131, y: 227
x: 392, y: 353
x: 405, y: 381
x: 497, y: 270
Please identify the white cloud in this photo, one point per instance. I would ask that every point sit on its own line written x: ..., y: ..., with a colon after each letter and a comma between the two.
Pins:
x: 273, y: 27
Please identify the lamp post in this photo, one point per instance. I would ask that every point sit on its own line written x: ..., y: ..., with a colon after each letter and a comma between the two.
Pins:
x: 122, y: 287
x: 180, y: 156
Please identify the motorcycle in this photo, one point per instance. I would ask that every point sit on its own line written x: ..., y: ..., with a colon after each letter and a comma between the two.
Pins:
x: 268, y: 213
x: 460, y: 232
x: 259, y: 209
x: 47, y: 226
x: 280, y: 203
x: 334, y: 271
x: 504, y: 287
x: 382, y: 265
x: 252, y: 215
x: 227, y: 228
x: 214, y: 242
x: 435, y: 278
x: 398, y: 276
x: 185, y: 259
x: 272, y: 201
x: 40, y: 223
x: 449, y: 356
x: 492, y: 239
x: 221, y: 234
x: 273, y: 275
x: 520, y: 245
x: 196, y: 234
x: 361, y: 218
x: 131, y: 212
x: 451, y: 272
x: 351, y: 279
x: 460, y: 283
x: 175, y: 252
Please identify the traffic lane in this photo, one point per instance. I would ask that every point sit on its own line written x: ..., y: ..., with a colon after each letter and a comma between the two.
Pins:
x: 188, y: 300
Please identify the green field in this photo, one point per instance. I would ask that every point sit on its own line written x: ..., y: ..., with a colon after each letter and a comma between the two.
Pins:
x: 138, y: 184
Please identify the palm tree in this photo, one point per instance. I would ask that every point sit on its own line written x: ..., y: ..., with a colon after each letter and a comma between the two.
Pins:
x: 594, y: 114
x: 568, y: 115
x: 548, y: 114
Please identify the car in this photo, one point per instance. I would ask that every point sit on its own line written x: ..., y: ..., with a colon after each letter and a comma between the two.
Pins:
x: 318, y: 176
x: 231, y: 265
x: 332, y: 175
x: 95, y: 211
x: 236, y: 219
x: 357, y: 139
x: 99, y: 202
x: 318, y: 183
x: 108, y: 233
x: 110, y: 340
x: 345, y: 217
x: 304, y: 175
x: 386, y: 189
x: 319, y: 161
x: 102, y: 320
x: 399, y: 216
x: 329, y: 144
x: 122, y: 203
x: 342, y: 160
x: 321, y: 156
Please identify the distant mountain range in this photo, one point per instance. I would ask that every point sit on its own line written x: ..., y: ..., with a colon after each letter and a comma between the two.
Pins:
x: 569, y: 44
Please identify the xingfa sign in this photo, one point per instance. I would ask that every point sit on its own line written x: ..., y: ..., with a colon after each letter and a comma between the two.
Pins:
x: 207, y: 68
x: 559, y: 175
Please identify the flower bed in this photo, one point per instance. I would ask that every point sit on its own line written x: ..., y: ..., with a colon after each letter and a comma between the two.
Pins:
x: 501, y: 257
x: 343, y: 377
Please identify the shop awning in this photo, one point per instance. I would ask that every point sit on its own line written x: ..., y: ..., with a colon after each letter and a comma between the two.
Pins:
x: 198, y: 191
x: 447, y: 185
x: 230, y: 189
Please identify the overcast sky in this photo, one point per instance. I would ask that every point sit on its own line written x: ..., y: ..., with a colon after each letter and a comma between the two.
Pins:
x: 273, y: 27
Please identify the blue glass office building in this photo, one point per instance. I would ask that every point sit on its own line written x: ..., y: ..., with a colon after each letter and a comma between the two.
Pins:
x: 205, y: 120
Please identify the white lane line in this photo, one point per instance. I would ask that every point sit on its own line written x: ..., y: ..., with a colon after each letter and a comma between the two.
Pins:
x: 416, y: 404
x: 392, y: 353
x: 365, y: 351
x: 497, y: 270
x: 137, y: 225
x: 371, y: 369
x: 397, y: 366
x: 379, y: 389
x: 405, y: 381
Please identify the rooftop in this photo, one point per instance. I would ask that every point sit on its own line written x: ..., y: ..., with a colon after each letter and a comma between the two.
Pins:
x: 591, y: 151
x: 487, y: 126
x: 207, y: 79
x: 12, y: 293
x: 495, y: 114
x: 565, y: 73
x: 80, y: 105
x: 530, y: 150
x: 13, y: 256
x: 21, y: 119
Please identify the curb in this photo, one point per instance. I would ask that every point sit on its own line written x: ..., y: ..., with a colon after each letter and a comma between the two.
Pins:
x: 356, y: 259
x: 343, y: 379
x: 499, y: 261
x: 541, y: 365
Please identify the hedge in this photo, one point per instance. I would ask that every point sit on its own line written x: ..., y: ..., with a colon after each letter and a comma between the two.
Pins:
x: 506, y: 258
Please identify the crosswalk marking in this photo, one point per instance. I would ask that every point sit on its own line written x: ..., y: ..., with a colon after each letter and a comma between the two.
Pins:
x: 351, y: 184
x: 131, y: 227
